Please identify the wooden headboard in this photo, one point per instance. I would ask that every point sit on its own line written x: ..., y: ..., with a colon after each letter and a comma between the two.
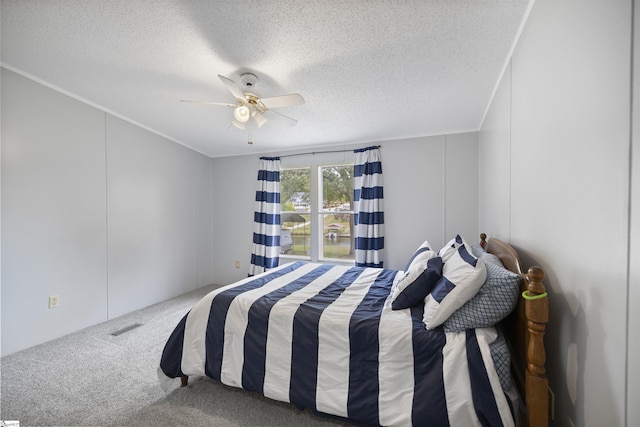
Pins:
x: 525, y: 329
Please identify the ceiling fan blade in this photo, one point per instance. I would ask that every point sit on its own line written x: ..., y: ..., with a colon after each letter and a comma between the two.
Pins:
x: 289, y: 120
x: 233, y: 88
x: 282, y: 100
x: 209, y: 103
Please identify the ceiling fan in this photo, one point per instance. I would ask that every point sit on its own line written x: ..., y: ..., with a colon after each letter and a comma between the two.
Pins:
x: 251, y: 106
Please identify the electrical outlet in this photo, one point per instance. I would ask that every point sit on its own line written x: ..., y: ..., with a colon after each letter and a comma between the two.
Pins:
x: 552, y: 404
x: 237, y: 264
x: 54, y: 301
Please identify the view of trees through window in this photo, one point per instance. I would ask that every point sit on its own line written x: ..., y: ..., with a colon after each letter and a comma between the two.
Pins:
x: 330, y: 204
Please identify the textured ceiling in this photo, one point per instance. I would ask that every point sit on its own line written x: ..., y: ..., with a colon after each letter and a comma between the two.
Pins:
x: 369, y: 70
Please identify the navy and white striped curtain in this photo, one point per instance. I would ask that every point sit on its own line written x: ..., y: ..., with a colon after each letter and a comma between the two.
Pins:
x: 266, y: 218
x: 368, y: 205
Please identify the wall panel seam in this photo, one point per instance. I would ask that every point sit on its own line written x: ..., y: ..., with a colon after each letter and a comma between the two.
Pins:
x: 106, y: 196
x: 632, y: 101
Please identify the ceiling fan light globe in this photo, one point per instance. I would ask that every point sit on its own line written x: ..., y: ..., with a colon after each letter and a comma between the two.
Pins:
x: 238, y: 124
x: 242, y: 113
x: 260, y: 120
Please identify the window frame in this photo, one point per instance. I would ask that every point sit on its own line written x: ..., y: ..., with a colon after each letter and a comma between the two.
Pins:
x: 317, y: 213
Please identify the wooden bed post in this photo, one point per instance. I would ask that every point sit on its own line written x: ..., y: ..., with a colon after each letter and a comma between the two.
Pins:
x: 184, y: 381
x: 525, y: 329
x: 537, y: 312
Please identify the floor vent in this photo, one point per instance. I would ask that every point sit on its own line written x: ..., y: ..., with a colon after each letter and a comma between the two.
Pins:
x: 126, y: 329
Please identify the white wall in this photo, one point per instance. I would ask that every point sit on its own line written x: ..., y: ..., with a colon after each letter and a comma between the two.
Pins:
x: 461, y: 187
x: 159, y: 196
x: 494, y: 163
x: 562, y: 118
x: 430, y: 193
x: 234, y: 189
x: 100, y: 212
x: 54, y: 223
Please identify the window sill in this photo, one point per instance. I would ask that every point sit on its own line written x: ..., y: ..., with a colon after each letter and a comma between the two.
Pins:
x: 291, y: 258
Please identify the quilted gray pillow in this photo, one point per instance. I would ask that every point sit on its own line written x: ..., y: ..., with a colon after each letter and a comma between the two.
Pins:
x: 484, y: 255
x: 496, y: 298
x: 501, y: 359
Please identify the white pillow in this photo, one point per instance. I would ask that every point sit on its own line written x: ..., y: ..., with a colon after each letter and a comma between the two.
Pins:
x: 462, y: 276
x: 424, y: 250
x: 450, y: 248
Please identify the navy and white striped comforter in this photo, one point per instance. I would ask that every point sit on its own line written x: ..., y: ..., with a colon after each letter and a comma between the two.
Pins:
x: 325, y: 337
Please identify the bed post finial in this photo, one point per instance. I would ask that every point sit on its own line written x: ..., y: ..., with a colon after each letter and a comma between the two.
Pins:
x: 483, y: 240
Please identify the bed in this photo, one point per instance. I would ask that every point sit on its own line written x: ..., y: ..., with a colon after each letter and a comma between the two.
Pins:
x: 416, y: 346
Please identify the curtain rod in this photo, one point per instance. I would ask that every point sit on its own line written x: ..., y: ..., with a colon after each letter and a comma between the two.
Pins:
x: 323, y: 152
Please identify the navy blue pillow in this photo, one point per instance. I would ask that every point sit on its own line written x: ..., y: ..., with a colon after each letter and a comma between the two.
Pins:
x: 417, y: 283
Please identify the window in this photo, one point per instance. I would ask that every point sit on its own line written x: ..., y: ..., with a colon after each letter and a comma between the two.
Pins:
x: 317, y: 212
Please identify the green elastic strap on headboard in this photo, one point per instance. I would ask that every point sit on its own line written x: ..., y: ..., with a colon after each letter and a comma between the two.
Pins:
x: 526, y: 296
